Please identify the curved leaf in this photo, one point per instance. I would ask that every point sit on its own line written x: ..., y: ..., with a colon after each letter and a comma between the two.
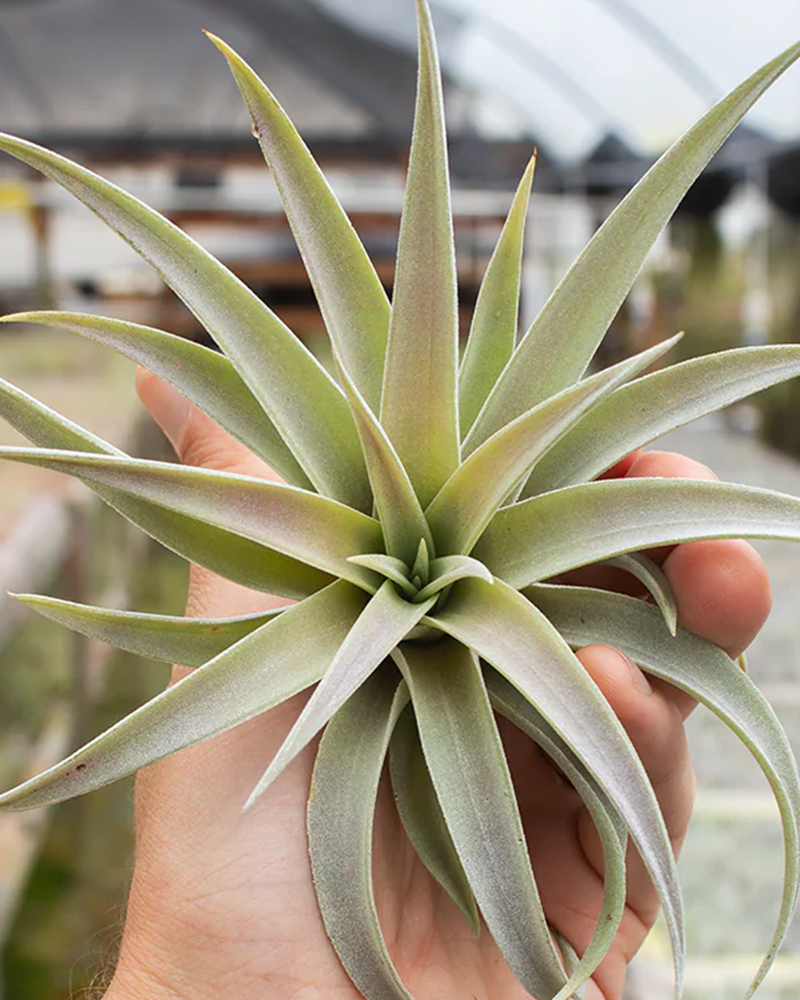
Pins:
x: 475, y: 491
x: 205, y: 377
x: 351, y: 297
x: 305, y: 526
x: 46, y: 428
x: 584, y: 615
x: 638, y: 413
x: 189, y: 641
x: 420, y: 402
x: 301, y: 399
x: 560, y: 343
x: 281, y: 658
x: 506, y: 630
x: 447, y: 570
x: 223, y: 552
x: 393, y: 569
x: 384, y: 622
x: 612, y: 832
x: 423, y: 819
x: 557, y: 531
x: 467, y: 765
x: 654, y: 579
x: 341, y: 809
x: 493, y: 332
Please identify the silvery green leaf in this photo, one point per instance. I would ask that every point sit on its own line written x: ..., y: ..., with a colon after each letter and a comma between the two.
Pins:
x: 351, y: 297
x: 584, y: 615
x: 446, y: 571
x: 205, y: 377
x: 571, y: 961
x: 189, y: 641
x: 560, y: 343
x: 611, y: 830
x: 467, y: 765
x: 224, y: 552
x: 393, y: 569
x: 397, y: 507
x: 493, y: 332
x: 279, y: 659
x: 476, y: 490
x: 507, y: 631
x: 46, y: 428
x: 385, y: 621
x: 422, y: 562
x: 306, y: 526
x: 557, y: 531
x: 423, y: 819
x: 638, y: 413
x: 341, y: 811
x: 654, y: 579
x: 305, y: 404
x: 420, y: 392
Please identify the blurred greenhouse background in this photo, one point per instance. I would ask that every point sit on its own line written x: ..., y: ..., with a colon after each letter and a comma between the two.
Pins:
x: 600, y: 87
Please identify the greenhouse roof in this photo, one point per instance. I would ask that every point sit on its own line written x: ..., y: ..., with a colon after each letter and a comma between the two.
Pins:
x: 565, y: 73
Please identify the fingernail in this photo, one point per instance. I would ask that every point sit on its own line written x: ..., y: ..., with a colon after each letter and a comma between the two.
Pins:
x: 638, y: 679
x: 167, y: 407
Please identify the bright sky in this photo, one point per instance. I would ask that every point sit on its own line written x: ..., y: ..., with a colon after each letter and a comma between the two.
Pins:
x: 609, y: 77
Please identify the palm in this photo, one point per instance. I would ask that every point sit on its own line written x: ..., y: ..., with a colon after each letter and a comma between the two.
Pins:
x: 238, y: 888
x: 239, y: 882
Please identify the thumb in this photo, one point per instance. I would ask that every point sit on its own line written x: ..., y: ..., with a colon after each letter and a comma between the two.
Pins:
x: 196, y: 438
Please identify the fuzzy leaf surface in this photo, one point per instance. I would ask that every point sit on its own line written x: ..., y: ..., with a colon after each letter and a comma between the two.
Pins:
x: 352, y: 299
x: 423, y: 819
x: 224, y: 552
x: 305, y: 404
x: 283, y: 657
x: 420, y: 393
x: 45, y: 427
x: 385, y: 621
x: 493, y: 332
x: 398, y: 509
x: 654, y: 579
x: 205, y: 377
x: 467, y: 765
x: 563, y: 338
x: 306, y: 526
x: 189, y: 641
x: 612, y: 831
x: 557, y: 531
x: 341, y: 810
x: 476, y: 490
x: 655, y: 404
x: 584, y: 615
x: 507, y: 631
x: 447, y: 570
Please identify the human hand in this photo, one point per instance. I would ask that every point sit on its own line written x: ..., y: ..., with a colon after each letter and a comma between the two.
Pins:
x: 222, y: 904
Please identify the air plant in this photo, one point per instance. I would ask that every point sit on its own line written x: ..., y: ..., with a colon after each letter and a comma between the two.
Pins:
x: 426, y: 505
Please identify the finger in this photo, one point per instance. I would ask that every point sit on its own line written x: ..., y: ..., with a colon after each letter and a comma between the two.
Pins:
x: 666, y: 465
x: 655, y: 728
x: 621, y: 468
x: 196, y: 438
x: 722, y: 591
x: 721, y: 586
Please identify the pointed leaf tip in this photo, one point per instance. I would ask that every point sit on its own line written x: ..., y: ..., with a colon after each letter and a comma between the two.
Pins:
x: 419, y: 408
x: 493, y: 332
x: 351, y: 296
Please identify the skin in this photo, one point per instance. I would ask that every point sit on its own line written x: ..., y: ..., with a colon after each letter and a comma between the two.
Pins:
x: 222, y: 904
